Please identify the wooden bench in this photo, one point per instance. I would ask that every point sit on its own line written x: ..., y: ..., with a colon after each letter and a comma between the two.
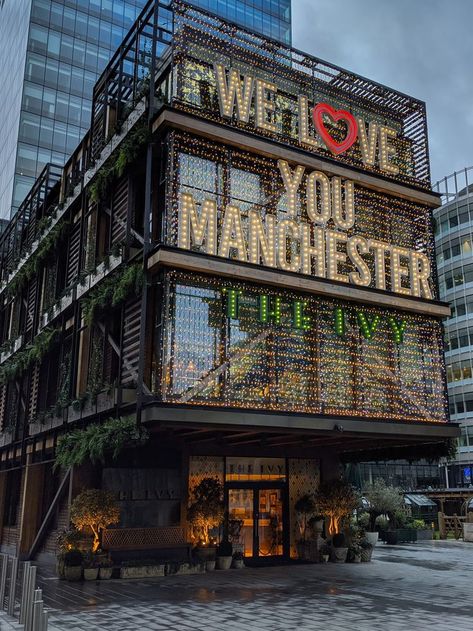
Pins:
x: 125, y: 544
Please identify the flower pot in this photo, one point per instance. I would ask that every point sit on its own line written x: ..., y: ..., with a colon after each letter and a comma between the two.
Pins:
x: 205, y: 553
x: 325, y: 558
x: 91, y: 573
x: 72, y: 572
x: 224, y: 563
x: 372, y: 537
x: 366, y: 555
x: 339, y: 555
x: 105, y: 573
x: 210, y: 566
x: 356, y: 558
x: 238, y: 564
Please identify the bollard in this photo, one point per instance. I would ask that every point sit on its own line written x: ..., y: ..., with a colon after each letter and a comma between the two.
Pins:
x: 12, y: 592
x: 37, y: 617
x: 26, y: 572
x: 29, y: 598
x: 45, y: 620
x: 3, y: 579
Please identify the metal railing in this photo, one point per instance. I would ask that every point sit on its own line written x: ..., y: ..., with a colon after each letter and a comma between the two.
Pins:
x: 29, y: 607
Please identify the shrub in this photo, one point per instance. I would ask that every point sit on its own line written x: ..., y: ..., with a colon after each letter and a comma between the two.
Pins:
x: 384, y: 500
x: 95, y: 509
x: 206, y: 511
x: 339, y: 540
x: 73, y: 558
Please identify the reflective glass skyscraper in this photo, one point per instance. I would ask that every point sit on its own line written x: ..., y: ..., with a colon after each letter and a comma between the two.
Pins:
x: 52, y: 52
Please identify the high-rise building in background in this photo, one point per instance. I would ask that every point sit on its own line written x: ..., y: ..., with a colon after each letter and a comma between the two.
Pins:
x: 51, y: 55
x: 454, y: 241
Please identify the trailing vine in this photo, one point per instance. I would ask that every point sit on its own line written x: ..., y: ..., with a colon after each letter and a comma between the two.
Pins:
x: 97, y: 440
x: 116, y: 165
x: 113, y: 290
x: 30, y: 268
x: 34, y: 352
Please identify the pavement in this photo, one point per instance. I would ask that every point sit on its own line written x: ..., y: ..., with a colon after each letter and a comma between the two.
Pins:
x: 415, y: 587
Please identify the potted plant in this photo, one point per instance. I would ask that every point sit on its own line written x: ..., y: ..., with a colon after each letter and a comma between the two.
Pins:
x: 325, y: 553
x: 339, y: 548
x: 91, y: 567
x: 95, y: 509
x: 366, y: 550
x: 105, y: 569
x: 383, y: 500
x: 238, y: 562
x: 67, y: 539
x: 336, y: 499
x: 354, y: 552
x: 304, y: 508
x: 423, y: 532
x: 73, y: 565
x: 224, y: 555
x: 204, y: 514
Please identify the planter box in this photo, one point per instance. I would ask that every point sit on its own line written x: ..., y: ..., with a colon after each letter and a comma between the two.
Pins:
x: 425, y: 535
x: 401, y: 535
x: 468, y: 532
x: 142, y: 571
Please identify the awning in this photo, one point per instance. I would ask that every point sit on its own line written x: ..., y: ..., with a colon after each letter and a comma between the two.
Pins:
x: 419, y: 500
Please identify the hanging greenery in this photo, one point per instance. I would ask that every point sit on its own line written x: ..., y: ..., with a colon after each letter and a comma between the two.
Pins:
x: 98, y: 440
x: 432, y: 452
x: 30, y: 268
x: 118, y: 162
x: 113, y: 290
x: 34, y: 352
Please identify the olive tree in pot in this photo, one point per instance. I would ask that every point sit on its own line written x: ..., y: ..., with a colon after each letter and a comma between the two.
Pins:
x: 95, y: 509
x: 204, y: 514
x: 383, y: 500
x: 336, y: 499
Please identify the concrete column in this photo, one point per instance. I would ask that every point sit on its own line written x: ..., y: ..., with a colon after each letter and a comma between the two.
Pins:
x: 31, y: 506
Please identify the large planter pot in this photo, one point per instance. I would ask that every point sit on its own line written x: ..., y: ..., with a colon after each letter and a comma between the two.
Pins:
x: 105, y: 573
x: 372, y: 537
x: 73, y: 572
x: 391, y: 537
x: 91, y: 573
x: 210, y: 566
x: 356, y: 558
x: 339, y: 555
x: 60, y: 568
x: 238, y: 564
x: 224, y: 563
x: 142, y: 571
x: 205, y: 553
x: 366, y: 555
x: 468, y: 532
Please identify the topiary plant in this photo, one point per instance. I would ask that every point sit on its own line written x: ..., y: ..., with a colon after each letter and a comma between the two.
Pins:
x: 206, y: 511
x: 336, y: 499
x: 95, y: 509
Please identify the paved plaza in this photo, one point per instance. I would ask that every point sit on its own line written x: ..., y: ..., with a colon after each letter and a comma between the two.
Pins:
x: 405, y: 588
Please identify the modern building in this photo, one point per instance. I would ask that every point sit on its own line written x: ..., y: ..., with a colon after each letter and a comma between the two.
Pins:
x: 454, y: 240
x: 239, y: 258
x: 52, y: 53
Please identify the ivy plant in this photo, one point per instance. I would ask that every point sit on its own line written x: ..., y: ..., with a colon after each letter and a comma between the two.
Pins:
x: 118, y: 162
x: 96, y: 441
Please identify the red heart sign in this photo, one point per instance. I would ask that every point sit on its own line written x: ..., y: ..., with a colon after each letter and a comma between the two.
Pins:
x: 335, y: 147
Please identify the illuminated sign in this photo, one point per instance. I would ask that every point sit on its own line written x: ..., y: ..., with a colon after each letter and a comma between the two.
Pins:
x: 237, y: 93
x: 320, y: 243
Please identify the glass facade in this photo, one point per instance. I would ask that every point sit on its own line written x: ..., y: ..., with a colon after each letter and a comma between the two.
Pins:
x: 454, y: 238
x: 271, y: 18
x: 53, y: 52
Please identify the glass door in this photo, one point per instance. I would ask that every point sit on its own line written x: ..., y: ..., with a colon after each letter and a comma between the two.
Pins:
x: 269, y: 531
x: 260, y: 511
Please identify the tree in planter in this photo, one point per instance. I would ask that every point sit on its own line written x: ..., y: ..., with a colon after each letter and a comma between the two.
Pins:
x: 305, y: 508
x: 206, y: 510
x: 95, y: 509
x: 336, y: 500
x: 384, y: 500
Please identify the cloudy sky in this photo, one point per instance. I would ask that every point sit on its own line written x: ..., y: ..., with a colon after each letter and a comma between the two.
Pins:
x: 421, y: 47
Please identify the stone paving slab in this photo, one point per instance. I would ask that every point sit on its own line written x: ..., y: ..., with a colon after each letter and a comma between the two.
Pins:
x: 405, y: 588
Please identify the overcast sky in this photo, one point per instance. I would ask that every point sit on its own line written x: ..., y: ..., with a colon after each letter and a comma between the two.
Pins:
x: 421, y: 47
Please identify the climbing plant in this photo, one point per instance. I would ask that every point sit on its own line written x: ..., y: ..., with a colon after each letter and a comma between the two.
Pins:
x: 113, y: 290
x: 97, y: 440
